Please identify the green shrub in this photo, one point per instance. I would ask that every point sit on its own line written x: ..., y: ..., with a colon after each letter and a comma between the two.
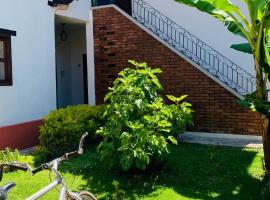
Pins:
x: 139, y: 125
x: 41, y: 155
x: 9, y: 155
x: 63, y: 128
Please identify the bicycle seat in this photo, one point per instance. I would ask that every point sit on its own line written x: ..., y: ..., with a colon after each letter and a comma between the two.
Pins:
x: 5, y: 189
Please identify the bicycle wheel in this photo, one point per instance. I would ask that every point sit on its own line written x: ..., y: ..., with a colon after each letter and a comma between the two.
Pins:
x: 85, y: 195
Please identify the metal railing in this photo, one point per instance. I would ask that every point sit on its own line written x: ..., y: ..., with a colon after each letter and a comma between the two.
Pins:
x: 199, y: 52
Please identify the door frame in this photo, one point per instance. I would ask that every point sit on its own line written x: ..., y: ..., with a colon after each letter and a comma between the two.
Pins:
x: 85, y: 79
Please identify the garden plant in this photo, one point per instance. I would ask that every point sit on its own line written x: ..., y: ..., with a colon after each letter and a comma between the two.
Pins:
x: 139, y: 126
x: 256, y: 30
x: 64, y: 126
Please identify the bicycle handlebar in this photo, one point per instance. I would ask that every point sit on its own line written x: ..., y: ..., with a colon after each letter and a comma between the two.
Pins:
x: 38, y: 169
x: 12, y: 166
x: 70, y: 155
x: 26, y: 167
x: 66, y: 156
x: 16, y: 167
x: 80, y: 149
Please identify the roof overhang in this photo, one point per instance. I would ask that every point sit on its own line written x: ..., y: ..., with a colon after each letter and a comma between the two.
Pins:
x: 6, y: 32
x: 55, y: 3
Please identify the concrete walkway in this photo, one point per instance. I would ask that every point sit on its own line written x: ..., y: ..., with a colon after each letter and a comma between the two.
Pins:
x: 222, y: 139
x: 208, y: 138
x: 28, y: 150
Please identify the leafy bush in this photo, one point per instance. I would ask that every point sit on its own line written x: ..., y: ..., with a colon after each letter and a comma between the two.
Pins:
x: 63, y: 128
x: 9, y: 155
x: 118, y: 194
x: 41, y: 155
x: 139, y: 125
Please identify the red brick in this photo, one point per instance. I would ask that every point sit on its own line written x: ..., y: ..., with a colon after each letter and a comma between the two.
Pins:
x: 215, y: 107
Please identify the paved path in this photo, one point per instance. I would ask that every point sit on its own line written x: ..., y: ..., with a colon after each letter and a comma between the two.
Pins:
x: 209, y: 138
x: 28, y: 150
x: 222, y: 139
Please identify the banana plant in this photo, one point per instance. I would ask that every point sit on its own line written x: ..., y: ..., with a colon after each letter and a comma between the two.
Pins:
x: 255, y: 28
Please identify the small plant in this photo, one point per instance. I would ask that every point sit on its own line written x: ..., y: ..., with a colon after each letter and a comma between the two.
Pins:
x: 9, y: 155
x: 63, y: 128
x: 118, y: 194
x: 139, y: 125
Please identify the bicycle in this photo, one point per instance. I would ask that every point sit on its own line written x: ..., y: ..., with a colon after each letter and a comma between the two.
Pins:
x: 64, y: 193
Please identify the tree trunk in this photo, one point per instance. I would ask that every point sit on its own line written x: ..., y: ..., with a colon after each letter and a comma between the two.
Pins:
x: 262, y: 94
x: 266, y: 143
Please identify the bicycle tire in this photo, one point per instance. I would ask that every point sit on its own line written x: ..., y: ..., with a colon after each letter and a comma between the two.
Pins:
x: 85, y: 195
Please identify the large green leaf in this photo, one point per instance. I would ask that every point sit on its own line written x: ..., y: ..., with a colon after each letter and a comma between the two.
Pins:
x: 224, y: 11
x: 266, y: 47
x: 245, y: 47
x: 265, y: 54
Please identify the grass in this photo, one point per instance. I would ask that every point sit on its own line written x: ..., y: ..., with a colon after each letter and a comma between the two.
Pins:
x: 191, y: 172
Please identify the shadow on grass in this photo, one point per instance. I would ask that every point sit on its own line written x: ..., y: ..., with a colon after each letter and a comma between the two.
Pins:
x: 192, y: 171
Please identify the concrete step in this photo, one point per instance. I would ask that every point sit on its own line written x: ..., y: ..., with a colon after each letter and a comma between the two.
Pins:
x: 233, y: 140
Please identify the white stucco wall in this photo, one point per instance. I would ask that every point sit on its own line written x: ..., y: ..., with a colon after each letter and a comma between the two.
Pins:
x: 33, y: 93
x: 206, y: 28
x: 78, y: 9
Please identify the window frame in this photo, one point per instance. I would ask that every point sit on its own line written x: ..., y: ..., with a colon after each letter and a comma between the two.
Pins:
x: 7, y: 60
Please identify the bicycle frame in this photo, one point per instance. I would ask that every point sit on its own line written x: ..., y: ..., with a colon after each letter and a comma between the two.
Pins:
x: 58, y: 181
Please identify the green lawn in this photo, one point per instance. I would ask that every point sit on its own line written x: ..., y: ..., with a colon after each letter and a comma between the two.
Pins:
x: 191, y: 172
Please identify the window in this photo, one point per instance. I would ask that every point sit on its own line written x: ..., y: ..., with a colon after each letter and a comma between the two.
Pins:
x: 5, y: 56
x: 5, y: 61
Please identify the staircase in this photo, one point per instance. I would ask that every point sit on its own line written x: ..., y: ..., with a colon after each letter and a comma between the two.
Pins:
x: 192, y: 47
x: 189, y: 66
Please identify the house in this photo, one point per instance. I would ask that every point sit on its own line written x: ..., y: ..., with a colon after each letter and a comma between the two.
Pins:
x: 55, y: 53
x: 46, y: 50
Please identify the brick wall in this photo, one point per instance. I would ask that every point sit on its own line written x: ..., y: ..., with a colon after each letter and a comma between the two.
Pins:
x: 117, y: 40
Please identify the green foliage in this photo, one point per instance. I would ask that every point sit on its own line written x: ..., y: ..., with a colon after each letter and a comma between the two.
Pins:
x: 255, y: 28
x: 255, y: 104
x: 118, y: 193
x: 221, y: 9
x: 233, y: 173
x: 244, y: 47
x: 63, y: 128
x: 9, y: 155
x: 139, y: 125
x: 41, y: 155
